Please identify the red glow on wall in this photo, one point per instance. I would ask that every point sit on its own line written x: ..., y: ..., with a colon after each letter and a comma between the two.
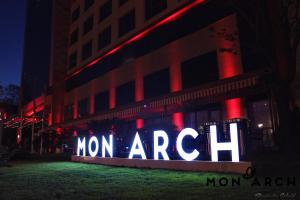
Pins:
x: 59, y: 130
x: 139, y: 123
x: 140, y: 35
x: 233, y: 107
x: 112, y: 90
x: 175, y: 78
x: 36, y: 105
x: 178, y: 120
x: 57, y: 118
x: 75, y: 108
x: 112, y: 98
x: 92, y: 98
x: 230, y: 65
x: 139, y: 85
x: 50, y: 119
x: 28, y: 113
x: 75, y: 134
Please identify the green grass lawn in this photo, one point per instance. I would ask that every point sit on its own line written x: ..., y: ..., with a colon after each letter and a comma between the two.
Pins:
x: 67, y: 180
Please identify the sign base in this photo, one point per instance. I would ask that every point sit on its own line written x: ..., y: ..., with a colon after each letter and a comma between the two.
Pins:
x: 201, y: 166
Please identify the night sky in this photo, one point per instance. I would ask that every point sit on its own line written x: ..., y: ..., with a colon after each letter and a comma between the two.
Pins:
x: 12, y: 20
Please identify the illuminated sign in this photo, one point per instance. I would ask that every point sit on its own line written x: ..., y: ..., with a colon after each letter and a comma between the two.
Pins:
x: 137, y: 148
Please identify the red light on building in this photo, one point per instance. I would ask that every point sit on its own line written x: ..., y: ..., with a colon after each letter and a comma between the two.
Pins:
x: 178, y: 120
x: 59, y: 131
x: 233, y: 108
x: 75, y: 134
x: 230, y: 66
x: 139, y: 123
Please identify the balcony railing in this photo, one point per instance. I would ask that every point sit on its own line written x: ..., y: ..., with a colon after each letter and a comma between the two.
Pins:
x: 212, y: 92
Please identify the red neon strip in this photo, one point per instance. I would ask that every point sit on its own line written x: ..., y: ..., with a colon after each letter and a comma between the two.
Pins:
x: 166, y: 20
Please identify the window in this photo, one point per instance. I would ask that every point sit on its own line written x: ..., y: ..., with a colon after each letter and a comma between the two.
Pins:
x: 127, y: 23
x: 198, y: 120
x: 104, y: 38
x: 102, y: 101
x: 199, y: 70
x: 260, y: 113
x: 72, y: 60
x: 157, y: 84
x: 88, y: 24
x: 125, y: 94
x: 105, y: 10
x: 88, y: 4
x: 205, y: 114
x: 83, y: 108
x: 68, y: 114
x: 74, y: 36
x: 122, y: 2
x: 86, y: 50
x: 153, y: 7
x: 262, y: 130
x: 75, y: 14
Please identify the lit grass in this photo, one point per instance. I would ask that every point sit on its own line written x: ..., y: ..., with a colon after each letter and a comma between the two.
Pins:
x: 67, y: 180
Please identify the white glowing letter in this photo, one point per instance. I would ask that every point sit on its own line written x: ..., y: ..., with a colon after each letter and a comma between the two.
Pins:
x: 91, y: 152
x: 161, y: 149
x: 182, y: 153
x: 139, y: 150
x: 233, y: 146
x: 108, y: 147
x: 81, y: 146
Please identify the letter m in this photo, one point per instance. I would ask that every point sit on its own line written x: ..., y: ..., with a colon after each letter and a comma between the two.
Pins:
x: 81, y: 147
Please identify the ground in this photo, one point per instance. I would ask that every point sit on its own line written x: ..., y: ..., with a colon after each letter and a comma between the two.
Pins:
x: 68, y: 180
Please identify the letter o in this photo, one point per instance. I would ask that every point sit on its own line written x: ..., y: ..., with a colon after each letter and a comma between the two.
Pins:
x: 95, y: 140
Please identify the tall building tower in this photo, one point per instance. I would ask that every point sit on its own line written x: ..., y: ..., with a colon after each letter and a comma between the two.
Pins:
x: 36, y: 54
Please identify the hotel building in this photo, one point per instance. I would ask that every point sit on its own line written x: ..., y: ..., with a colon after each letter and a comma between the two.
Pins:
x: 135, y: 64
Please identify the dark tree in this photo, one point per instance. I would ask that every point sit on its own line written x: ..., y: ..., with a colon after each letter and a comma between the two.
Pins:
x: 1, y: 92
x: 12, y: 94
x: 9, y: 94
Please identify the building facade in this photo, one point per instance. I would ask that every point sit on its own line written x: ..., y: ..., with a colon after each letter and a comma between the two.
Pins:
x: 37, y: 42
x: 135, y: 64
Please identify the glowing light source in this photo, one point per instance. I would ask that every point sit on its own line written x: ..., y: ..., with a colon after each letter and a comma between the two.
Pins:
x: 108, y: 147
x: 81, y: 146
x: 161, y: 148
x: 137, y: 147
x: 233, y: 107
x: 139, y: 123
x: 233, y: 146
x: 260, y: 125
x: 182, y: 153
x: 95, y: 140
x: 178, y: 120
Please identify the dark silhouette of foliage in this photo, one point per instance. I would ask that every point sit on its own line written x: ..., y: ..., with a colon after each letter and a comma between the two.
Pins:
x: 9, y: 94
